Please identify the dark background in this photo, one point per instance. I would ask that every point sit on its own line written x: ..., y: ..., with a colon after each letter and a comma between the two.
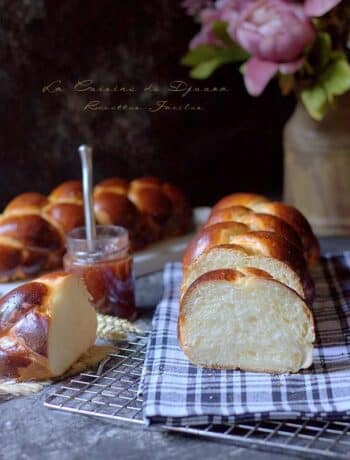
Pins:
x: 234, y: 144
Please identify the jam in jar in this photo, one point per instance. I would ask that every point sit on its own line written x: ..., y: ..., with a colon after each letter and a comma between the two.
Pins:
x: 106, y: 267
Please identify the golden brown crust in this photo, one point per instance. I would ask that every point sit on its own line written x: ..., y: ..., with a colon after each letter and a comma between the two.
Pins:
x: 289, y: 214
x: 256, y: 222
x: 113, y: 185
x: 148, y: 181
x: 239, y: 199
x: 31, y: 231
x: 260, y: 242
x: 152, y: 201
x: 114, y: 208
x: 25, y: 316
x: 250, y: 224
x: 25, y: 320
x: 14, y: 357
x: 26, y: 202
x: 149, y: 208
x: 221, y: 275
x: 19, y: 302
x: 65, y: 215
x: 273, y: 245
x: 33, y: 227
x: 296, y: 220
x: 67, y: 191
x: 257, y: 272
x: 10, y: 261
x: 208, y: 237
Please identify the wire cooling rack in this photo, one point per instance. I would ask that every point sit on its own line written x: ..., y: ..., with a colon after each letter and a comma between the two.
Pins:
x: 112, y: 392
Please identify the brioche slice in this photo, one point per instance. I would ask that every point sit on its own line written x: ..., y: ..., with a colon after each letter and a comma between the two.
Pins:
x: 211, y: 236
x: 234, y: 320
x: 236, y: 257
x: 271, y: 244
x: 264, y: 243
x: 256, y: 221
x: 285, y: 212
x: 261, y: 242
x: 296, y: 220
x: 45, y: 326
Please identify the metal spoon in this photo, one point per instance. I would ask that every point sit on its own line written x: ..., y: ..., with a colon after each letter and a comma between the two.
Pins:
x: 85, y: 152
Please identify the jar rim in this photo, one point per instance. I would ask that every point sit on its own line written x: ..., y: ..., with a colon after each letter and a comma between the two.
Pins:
x: 109, y: 238
x: 103, y: 232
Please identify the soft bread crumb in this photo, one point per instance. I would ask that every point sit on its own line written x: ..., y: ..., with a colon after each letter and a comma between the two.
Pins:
x: 251, y: 324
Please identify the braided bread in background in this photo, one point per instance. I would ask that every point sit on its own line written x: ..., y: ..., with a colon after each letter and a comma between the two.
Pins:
x: 246, y: 288
x: 33, y: 226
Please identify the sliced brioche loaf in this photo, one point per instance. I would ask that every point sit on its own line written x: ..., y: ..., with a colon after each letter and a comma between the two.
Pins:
x: 285, y: 212
x: 256, y: 222
x: 243, y: 319
x: 271, y: 244
x: 237, y: 257
x: 260, y: 242
x: 296, y: 220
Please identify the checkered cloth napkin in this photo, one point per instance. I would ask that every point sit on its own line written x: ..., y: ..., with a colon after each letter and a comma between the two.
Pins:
x: 176, y: 392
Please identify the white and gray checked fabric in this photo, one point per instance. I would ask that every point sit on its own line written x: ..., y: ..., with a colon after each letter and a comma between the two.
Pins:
x: 176, y: 392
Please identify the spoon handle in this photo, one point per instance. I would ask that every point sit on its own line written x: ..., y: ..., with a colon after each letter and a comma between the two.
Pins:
x: 85, y: 152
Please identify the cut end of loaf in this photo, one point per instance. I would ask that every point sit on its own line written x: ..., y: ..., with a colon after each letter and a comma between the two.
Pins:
x: 45, y: 326
x: 231, y: 321
x: 73, y: 325
x: 236, y: 257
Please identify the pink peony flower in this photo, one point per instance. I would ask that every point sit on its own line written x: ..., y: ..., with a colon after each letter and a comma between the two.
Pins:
x: 206, y: 35
x: 276, y: 33
x: 231, y: 9
x: 319, y: 7
x: 194, y: 7
x: 223, y: 10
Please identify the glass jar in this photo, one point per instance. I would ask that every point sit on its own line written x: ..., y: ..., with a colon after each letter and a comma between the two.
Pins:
x: 106, y: 267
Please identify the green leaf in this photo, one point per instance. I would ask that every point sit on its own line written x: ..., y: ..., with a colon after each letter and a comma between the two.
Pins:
x: 200, y: 54
x: 321, y: 51
x: 337, y: 54
x: 232, y: 53
x: 318, y: 55
x: 205, y: 69
x: 333, y: 81
x: 315, y: 101
x: 206, y: 59
x: 308, y: 69
x: 220, y: 31
x: 336, y: 78
x: 325, y: 46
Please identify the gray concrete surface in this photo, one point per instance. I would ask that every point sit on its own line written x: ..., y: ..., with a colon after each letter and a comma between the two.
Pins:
x: 29, y: 431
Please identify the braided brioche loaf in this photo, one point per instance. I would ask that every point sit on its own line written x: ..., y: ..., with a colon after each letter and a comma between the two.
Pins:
x: 246, y: 288
x: 45, y: 326
x: 33, y: 226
